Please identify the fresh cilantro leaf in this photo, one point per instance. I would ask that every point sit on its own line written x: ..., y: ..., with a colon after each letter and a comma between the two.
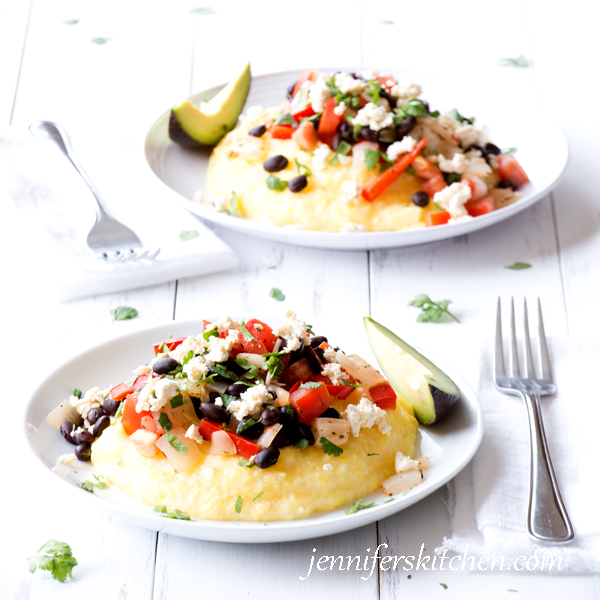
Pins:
x: 227, y: 428
x: 123, y: 313
x: 409, y: 575
x: 358, y: 505
x: 131, y: 381
x: 223, y: 372
x: 511, y: 590
x: 302, y: 169
x: 285, y: 119
x: 238, y: 505
x: 75, y: 392
x: 308, y: 385
x: 436, y: 152
x: 520, y: 62
x: 408, y: 490
x: 274, y: 366
x: 350, y: 383
x: 437, y: 206
x: 178, y: 514
x: 246, y: 425
x: 71, y: 22
x: 101, y: 485
x: 371, y: 158
x: 357, y: 130
x: 56, y: 557
x: 388, y: 501
x: 214, y: 332
x: 165, y: 422
x: 277, y: 294
x: 452, y: 178
x: 303, y: 443
x: 180, y: 388
x: 435, y: 114
x: 343, y: 149
x: 311, y: 118
x: 186, y: 236
x: 431, y: 312
x: 330, y: 448
x: 100, y: 40
x: 176, y: 401
x: 444, y: 586
x: 119, y: 411
x: 228, y: 399
x: 175, y: 443
x: 518, y: 266
x: 414, y: 108
x: 458, y: 117
x: 373, y: 454
x: 384, y: 167
x: 89, y: 486
x: 385, y: 22
x: 373, y: 90
x: 204, y: 10
x: 246, y: 463
x: 246, y: 333
x: 290, y: 410
x: 509, y: 150
x: 233, y: 209
x: 257, y: 497
x: 186, y: 359
x: 274, y: 183
x: 309, y: 329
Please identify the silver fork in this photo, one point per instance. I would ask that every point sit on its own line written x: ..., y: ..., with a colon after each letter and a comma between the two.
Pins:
x: 547, y: 518
x: 108, y: 239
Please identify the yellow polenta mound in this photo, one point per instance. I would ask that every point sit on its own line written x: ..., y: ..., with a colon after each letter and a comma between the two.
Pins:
x: 293, y: 488
x: 236, y: 165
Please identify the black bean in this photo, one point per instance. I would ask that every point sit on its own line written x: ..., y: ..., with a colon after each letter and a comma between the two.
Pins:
x: 320, y: 353
x: 84, y: 436
x: 492, y: 149
x: 275, y: 163
x: 267, y: 457
x: 347, y: 132
x: 94, y: 415
x: 331, y: 413
x: 385, y: 94
x: 213, y: 396
x: 426, y: 105
x: 236, y: 389
x: 269, y: 416
x: 288, y: 435
x: 420, y: 198
x: 253, y: 432
x: 509, y: 183
x: 337, y: 139
x: 66, y: 429
x: 296, y: 354
x: 287, y: 417
x: 164, y: 365
x: 405, y: 127
x: 83, y: 451
x: 258, y: 131
x: 313, y: 361
x: 297, y: 184
x: 368, y: 134
x: 214, y: 413
x: 110, y: 407
x: 386, y: 136
x: 290, y: 90
x: 317, y: 341
x: 273, y: 395
x: 316, y: 122
x: 101, y: 424
x: 306, y: 433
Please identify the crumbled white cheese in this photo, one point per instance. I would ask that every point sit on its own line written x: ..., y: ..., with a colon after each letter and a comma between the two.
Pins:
x: 364, y: 416
x: 67, y: 459
x: 196, y: 368
x: 293, y: 331
x: 196, y: 344
x: 374, y: 116
x: 155, y: 394
x: 319, y: 93
x: 404, y: 463
x: 219, y: 401
x: 477, y: 164
x: 457, y: 164
x: 295, y: 226
x: 353, y: 228
x: 250, y: 402
x: 327, y: 467
x: 397, y: 148
x: 453, y: 198
x: 340, y: 109
x: 301, y: 94
x: 93, y: 398
x: 219, y: 348
x: 469, y: 135
x: 348, y: 85
x: 142, y: 370
x: 194, y: 434
x: 352, y: 189
x: 199, y: 197
x: 369, y: 74
x: 224, y: 324
x: 334, y: 372
x: 63, y: 465
x: 254, y: 113
x: 320, y: 156
x: 329, y: 354
x: 405, y: 90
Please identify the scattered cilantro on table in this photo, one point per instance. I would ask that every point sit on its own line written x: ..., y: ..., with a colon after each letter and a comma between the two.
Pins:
x: 520, y: 62
x: 100, y: 41
x: 431, y: 312
x: 178, y: 514
x: 444, y: 586
x: 203, y: 10
x: 56, y: 557
x: 277, y: 294
x: 330, y: 448
x: 71, y: 22
x: 186, y: 236
x: 518, y: 266
x: 358, y: 505
x: 509, y: 150
x: 123, y: 313
x: 386, y: 22
x: 238, y: 505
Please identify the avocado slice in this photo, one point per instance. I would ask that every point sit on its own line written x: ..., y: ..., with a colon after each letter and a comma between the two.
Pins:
x: 426, y: 388
x: 204, y: 125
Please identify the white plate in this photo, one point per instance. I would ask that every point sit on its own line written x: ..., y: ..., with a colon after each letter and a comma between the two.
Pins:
x: 450, y: 445
x: 543, y: 152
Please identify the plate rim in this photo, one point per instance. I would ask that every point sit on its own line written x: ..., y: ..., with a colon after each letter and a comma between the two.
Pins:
x: 279, y: 531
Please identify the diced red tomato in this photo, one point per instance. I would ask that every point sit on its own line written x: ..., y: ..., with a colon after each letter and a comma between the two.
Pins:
x: 337, y: 391
x: 205, y: 324
x: 130, y: 419
x: 306, y: 75
x: 329, y: 123
x: 251, y: 346
x: 306, y: 136
x: 303, y: 112
x: 483, y: 206
x: 434, y: 185
x: 383, y: 80
x: 439, y: 217
x: 167, y: 345
x: 245, y: 448
x: 295, y: 386
x: 424, y: 168
x: 383, y: 395
x: 310, y: 403
x: 122, y: 390
x: 262, y: 332
x: 282, y: 131
x: 297, y: 371
x: 509, y: 168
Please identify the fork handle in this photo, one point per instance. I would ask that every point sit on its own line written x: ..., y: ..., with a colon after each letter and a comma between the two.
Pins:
x: 54, y: 133
x: 547, y: 518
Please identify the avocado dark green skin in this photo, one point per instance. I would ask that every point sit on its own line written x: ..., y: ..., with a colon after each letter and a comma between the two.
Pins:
x: 179, y: 136
x: 442, y: 403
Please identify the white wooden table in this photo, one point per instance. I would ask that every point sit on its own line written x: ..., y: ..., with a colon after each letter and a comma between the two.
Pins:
x: 158, y: 53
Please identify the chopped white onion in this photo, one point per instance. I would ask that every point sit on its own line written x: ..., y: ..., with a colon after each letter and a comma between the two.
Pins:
x: 254, y: 359
x: 401, y: 482
x: 337, y: 431
x: 221, y: 443
x: 217, y: 386
x: 268, y: 435
x: 283, y: 397
x: 360, y: 369
x: 189, y: 411
x: 423, y: 463
x: 144, y: 442
x: 180, y: 462
x: 63, y: 413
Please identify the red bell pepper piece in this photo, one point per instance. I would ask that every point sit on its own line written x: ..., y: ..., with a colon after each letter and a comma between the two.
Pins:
x: 438, y: 217
x: 282, y: 131
x: 130, y: 419
x: 509, y: 168
x: 245, y: 448
x: 329, y: 123
x: 383, y: 181
x: 383, y: 395
x: 310, y: 402
x: 121, y: 391
x: 263, y: 333
x: 167, y: 345
x: 303, y: 113
x: 341, y: 392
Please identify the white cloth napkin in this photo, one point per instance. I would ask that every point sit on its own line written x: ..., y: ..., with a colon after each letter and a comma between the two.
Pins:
x: 488, y: 499
x: 52, y: 211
